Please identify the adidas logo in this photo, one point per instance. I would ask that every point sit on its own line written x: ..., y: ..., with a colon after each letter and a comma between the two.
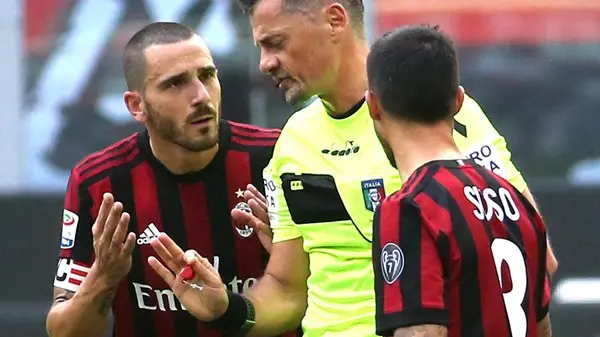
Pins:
x: 149, y: 233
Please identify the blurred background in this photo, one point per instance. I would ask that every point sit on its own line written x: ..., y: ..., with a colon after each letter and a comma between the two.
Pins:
x: 533, y: 65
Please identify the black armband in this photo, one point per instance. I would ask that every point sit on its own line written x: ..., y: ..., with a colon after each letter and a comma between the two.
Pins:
x: 238, y: 319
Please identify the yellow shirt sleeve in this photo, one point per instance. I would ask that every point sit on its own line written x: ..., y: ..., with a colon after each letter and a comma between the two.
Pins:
x: 479, y: 140
x: 283, y: 226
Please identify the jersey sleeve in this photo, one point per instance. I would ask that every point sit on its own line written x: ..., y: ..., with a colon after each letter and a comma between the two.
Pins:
x: 410, y: 281
x: 480, y: 141
x: 76, y: 243
x: 281, y: 222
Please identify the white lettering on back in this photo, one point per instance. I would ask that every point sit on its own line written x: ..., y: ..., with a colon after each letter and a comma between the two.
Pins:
x: 490, y: 202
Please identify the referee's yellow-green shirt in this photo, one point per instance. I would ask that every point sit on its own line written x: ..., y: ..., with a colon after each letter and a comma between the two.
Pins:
x: 324, y: 181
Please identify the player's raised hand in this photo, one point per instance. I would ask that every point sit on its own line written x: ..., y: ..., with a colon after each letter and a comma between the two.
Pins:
x: 203, y: 295
x: 258, y: 218
x: 112, y: 245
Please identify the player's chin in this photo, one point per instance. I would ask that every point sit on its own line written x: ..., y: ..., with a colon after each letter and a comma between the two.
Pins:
x: 203, y: 142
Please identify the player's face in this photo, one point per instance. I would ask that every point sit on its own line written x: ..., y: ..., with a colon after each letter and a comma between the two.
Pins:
x: 182, y: 98
x: 296, y: 49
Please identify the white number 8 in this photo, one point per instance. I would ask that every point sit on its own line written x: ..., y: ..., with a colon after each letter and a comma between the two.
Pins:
x: 504, y: 250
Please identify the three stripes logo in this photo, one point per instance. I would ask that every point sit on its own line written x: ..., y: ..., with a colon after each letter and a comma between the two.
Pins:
x: 149, y: 233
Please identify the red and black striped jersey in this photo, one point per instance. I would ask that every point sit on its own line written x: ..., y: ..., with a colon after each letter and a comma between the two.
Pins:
x: 193, y: 209
x: 459, y: 246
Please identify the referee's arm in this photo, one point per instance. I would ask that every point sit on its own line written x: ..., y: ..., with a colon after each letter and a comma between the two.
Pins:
x: 279, y: 297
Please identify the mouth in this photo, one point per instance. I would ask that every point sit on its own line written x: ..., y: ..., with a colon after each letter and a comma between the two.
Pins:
x: 280, y: 81
x: 202, y: 121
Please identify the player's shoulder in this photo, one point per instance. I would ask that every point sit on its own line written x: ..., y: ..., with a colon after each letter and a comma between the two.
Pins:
x: 250, y: 131
x: 113, y: 157
x: 251, y: 138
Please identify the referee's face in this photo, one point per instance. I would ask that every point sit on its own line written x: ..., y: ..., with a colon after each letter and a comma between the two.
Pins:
x: 299, y: 50
x: 182, y: 98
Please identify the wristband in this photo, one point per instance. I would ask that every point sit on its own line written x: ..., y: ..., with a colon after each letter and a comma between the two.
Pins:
x: 238, y: 319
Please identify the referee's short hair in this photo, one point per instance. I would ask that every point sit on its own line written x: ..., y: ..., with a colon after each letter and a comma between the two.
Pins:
x: 355, y: 8
x: 156, y: 33
x: 413, y: 71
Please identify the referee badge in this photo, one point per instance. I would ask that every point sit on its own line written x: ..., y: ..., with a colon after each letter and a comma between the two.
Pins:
x: 392, y: 262
x: 373, y: 193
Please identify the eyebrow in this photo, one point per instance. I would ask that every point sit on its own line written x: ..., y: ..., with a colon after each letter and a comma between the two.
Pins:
x: 267, y: 38
x: 203, y: 70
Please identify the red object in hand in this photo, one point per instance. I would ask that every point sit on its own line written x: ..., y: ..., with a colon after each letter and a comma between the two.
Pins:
x: 187, y: 273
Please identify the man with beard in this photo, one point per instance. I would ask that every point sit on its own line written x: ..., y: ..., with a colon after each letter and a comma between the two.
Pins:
x: 181, y: 176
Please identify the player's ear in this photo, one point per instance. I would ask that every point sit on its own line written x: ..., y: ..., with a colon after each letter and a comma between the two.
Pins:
x: 337, y: 18
x: 460, y: 97
x: 373, y: 104
x: 135, y: 105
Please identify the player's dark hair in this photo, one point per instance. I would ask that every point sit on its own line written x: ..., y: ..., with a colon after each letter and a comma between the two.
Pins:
x: 413, y: 70
x: 355, y: 8
x: 157, y: 33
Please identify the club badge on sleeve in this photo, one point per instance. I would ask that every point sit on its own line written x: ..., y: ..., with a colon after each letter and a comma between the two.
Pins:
x: 69, y: 229
x: 392, y: 262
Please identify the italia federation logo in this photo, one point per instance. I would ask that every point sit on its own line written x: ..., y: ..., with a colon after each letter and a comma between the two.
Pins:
x: 243, y: 230
x: 373, y: 193
x: 392, y: 262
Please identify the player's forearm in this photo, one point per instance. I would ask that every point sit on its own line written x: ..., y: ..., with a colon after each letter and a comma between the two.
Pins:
x: 278, y: 307
x: 84, y: 314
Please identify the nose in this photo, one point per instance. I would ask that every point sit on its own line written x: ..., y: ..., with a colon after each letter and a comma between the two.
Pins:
x: 268, y: 62
x: 200, y: 94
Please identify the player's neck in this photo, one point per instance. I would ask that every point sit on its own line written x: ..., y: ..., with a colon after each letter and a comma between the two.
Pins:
x: 350, y: 84
x: 414, y: 146
x: 179, y: 160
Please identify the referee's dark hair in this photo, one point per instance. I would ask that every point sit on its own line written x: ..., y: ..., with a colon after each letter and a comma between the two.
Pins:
x: 413, y: 71
x: 156, y: 33
x: 355, y: 8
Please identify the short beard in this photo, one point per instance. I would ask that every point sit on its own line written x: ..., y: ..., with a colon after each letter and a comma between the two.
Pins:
x: 168, y: 130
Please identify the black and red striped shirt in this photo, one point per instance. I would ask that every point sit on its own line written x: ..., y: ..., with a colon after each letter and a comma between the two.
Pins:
x: 193, y: 209
x: 459, y: 246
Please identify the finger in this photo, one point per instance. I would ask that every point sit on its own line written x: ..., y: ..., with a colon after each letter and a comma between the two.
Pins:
x: 256, y: 193
x: 162, y: 252
x: 129, y: 245
x: 241, y: 217
x: 170, y: 245
x: 257, y: 200
x: 204, y: 271
x: 103, y: 212
x: 111, y: 222
x: 258, y: 211
x: 162, y: 271
x: 244, y: 218
x: 121, y: 231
